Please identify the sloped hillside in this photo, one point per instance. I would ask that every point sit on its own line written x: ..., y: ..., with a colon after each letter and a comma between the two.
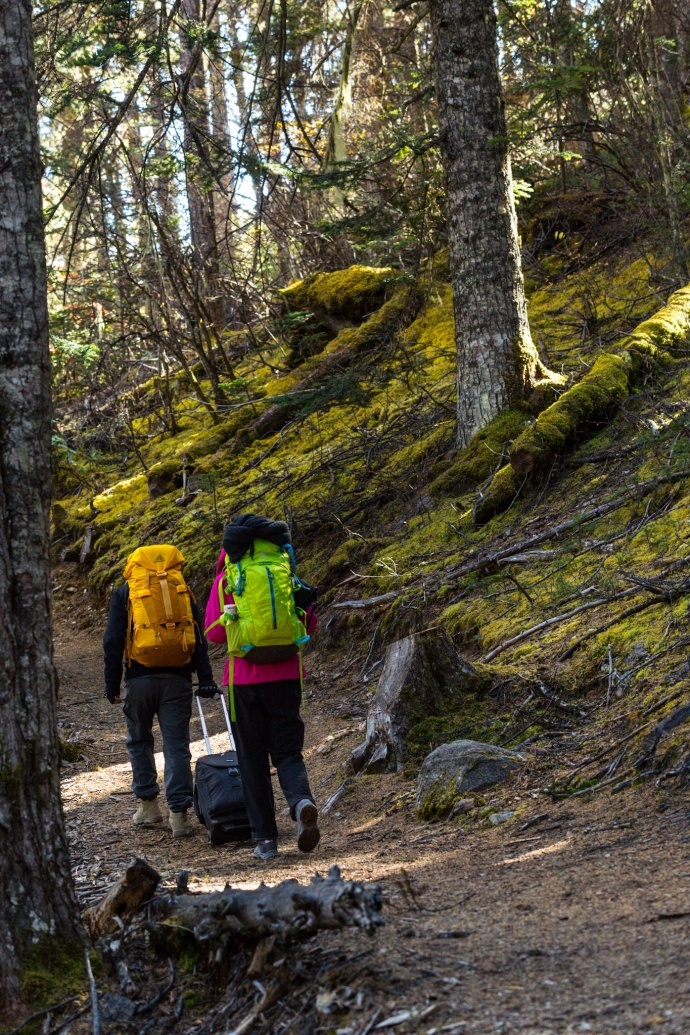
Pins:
x: 570, y: 582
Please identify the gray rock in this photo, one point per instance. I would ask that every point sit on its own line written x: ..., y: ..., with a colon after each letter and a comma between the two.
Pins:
x: 116, y: 1008
x: 499, y: 817
x: 462, y: 806
x: 453, y: 769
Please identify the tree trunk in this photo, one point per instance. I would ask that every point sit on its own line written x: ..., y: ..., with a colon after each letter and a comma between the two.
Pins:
x: 336, y: 148
x: 36, y: 895
x: 497, y: 361
x: 198, y: 169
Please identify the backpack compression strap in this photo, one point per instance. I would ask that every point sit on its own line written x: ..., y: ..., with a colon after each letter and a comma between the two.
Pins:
x: 167, y: 601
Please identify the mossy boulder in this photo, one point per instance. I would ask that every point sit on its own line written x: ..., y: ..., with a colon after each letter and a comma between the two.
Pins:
x: 456, y: 769
x: 350, y: 294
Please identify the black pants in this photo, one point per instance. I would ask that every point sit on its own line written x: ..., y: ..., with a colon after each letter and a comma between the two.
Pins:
x: 170, y: 698
x: 269, y: 724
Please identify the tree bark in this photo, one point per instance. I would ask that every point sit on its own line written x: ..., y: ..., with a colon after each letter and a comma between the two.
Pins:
x: 497, y: 361
x: 136, y: 888
x: 421, y: 674
x: 36, y: 895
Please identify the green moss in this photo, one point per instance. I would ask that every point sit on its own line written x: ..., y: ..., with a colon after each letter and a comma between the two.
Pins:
x: 351, y: 293
x: 71, y: 750
x: 485, y: 453
x: 438, y: 802
x: 503, y: 491
x: 52, y: 970
x: 580, y: 409
x: 668, y: 329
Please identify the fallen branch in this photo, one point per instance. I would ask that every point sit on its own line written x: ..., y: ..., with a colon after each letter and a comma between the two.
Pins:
x: 666, y: 726
x: 369, y: 602
x: 559, y: 702
x: 608, y: 625
x: 607, y: 750
x: 290, y: 910
x: 478, y: 563
x: 93, y: 989
x: 548, y: 622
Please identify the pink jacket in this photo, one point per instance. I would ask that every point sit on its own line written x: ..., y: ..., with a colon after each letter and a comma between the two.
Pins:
x: 246, y: 673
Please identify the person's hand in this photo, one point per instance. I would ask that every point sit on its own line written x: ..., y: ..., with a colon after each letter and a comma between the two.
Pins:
x: 207, y: 690
x: 112, y: 695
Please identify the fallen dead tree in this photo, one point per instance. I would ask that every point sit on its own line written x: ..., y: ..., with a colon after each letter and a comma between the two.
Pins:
x: 288, y: 912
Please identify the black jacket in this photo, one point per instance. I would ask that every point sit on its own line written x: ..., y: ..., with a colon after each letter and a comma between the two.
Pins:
x: 115, y: 637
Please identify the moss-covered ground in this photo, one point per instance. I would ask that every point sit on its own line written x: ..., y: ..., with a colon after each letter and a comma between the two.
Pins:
x: 354, y: 444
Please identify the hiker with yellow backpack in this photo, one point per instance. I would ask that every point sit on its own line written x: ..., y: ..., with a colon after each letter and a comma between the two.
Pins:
x: 154, y: 625
x: 265, y: 615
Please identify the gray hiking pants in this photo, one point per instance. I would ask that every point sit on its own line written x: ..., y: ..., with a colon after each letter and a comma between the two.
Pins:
x: 170, y: 698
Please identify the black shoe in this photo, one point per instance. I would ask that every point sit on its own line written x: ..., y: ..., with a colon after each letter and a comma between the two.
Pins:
x: 308, y: 833
x: 266, y: 850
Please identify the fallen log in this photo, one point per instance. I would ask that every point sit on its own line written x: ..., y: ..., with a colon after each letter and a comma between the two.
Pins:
x: 421, y: 674
x: 287, y: 912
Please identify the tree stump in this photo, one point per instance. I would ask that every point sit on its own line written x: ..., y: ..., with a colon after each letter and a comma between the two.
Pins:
x: 130, y: 893
x: 422, y: 674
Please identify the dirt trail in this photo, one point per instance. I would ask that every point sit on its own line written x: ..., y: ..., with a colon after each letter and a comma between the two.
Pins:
x: 565, y: 927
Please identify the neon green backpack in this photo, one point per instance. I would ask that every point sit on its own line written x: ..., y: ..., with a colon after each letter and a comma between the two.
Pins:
x: 263, y: 625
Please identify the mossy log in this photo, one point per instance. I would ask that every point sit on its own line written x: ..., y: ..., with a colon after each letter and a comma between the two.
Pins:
x: 422, y: 675
x: 293, y: 390
x: 487, y: 451
x: 591, y: 401
x: 582, y: 408
x: 502, y: 492
x: 289, y: 912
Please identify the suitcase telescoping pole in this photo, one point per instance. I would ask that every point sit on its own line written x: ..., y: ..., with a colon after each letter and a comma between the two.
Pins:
x: 204, y: 730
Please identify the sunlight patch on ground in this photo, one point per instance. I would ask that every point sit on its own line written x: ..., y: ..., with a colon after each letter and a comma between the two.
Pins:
x: 96, y: 784
x: 535, y: 853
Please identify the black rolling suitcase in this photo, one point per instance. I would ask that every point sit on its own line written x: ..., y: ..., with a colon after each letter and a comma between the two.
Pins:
x: 218, y: 795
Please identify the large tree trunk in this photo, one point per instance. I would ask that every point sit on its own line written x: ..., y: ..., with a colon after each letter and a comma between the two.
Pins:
x: 498, y: 363
x: 36, y: 896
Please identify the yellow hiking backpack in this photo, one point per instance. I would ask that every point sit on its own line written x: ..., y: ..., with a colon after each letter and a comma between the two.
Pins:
x: 160, y: 625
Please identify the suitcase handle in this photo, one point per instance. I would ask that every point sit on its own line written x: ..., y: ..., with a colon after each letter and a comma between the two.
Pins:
x: 204, y: 730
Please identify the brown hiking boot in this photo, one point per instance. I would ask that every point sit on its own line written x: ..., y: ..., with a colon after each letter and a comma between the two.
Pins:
x: 308, y: 833
x: 148, y: 813
x: 179, y: 824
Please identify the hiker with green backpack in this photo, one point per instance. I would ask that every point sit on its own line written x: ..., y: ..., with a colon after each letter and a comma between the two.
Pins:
x: 265, y: 615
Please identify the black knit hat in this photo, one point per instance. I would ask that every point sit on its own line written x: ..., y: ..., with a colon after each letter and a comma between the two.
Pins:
x: 240, y: 534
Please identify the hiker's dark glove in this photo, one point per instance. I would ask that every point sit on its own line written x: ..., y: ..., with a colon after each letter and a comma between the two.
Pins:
x: 305, y: 596
x: 207, y: 690
x: 112, y: 694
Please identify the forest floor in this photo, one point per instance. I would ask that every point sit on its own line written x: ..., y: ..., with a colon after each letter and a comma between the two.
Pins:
x: 575, y: 923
